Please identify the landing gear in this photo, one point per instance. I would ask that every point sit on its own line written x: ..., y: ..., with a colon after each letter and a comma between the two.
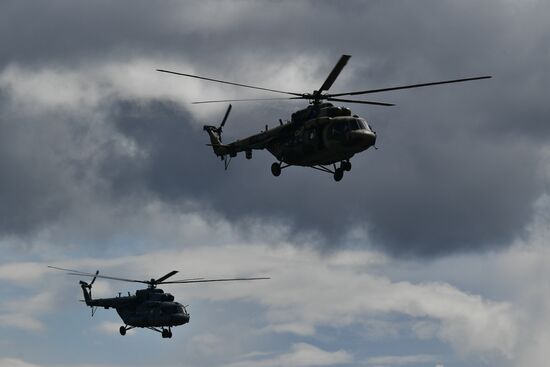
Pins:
x: 248, y: 154
x: 123, y: 329
x: 276, y: 169
x: 346, y: 166
x: 338, y: 174
x: 166, y: 333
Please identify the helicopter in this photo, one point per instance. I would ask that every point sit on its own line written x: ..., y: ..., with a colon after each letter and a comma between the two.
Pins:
x: 318, y: 136
x: 149, y: 308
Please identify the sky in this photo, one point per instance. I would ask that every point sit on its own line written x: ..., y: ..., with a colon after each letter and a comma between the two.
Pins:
x: 432, y: 251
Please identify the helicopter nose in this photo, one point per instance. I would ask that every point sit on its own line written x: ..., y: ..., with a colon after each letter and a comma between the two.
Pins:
x: 181, y: 318
x: 362, y: 138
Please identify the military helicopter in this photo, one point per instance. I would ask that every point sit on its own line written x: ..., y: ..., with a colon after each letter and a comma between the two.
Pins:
x: 318, y: 136
x: 149, y: 308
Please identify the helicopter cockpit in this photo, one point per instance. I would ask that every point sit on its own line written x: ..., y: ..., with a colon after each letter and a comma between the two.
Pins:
x: 173, y: 308
x: 359, y: 124
x: 340, y: 127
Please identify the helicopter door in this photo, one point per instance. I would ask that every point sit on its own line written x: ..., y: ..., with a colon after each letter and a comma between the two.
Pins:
x: 310, y: 140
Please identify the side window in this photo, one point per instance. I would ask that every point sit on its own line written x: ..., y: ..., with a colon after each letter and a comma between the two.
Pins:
x: 337, y: 130
x: 353, y: 125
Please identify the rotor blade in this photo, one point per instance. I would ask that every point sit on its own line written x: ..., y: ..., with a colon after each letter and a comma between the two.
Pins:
x: 335, y: 72
x: 70, y: 270
x: 112, y: 278
x: 93, y: 280
x: 363, y: 102
x: 164, y: 277
x: 82, y: 273
x: 247, y: 100
x: 408, y: 86
x: 210, y: 280
x: 225, y: 117
x: 76, y: 272
x: 231, y: 83
x: 126, y: 280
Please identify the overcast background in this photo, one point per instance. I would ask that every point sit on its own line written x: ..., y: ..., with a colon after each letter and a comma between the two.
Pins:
x: 431, y: 251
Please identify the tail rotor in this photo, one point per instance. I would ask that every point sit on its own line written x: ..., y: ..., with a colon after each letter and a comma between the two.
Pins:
x: 94, y: 278
x: 215, y: 134
x: 223, y: 121
x: 87, y: 291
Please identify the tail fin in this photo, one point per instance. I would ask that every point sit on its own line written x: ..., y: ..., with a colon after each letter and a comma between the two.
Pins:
x: 215, y: 134
x: 87, y: 290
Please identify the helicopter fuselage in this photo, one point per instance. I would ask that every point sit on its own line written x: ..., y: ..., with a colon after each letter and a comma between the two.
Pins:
x: 149, y: 307
x: 315, y: 136
x: 323, y: 141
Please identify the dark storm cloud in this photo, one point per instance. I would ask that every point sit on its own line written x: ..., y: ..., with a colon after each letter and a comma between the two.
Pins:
x: 459, y: 166
x: 33, y: 190
x: 433, y: 194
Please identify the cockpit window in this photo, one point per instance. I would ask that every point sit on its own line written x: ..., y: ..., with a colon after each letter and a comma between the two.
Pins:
x: 356, y: 124
x: 341, y: 127
x: 363, y: 124
x: 169, y: 309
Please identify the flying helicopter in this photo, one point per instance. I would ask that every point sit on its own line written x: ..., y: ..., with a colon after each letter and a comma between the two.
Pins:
x: 319, y: 136
x: 149, y: 308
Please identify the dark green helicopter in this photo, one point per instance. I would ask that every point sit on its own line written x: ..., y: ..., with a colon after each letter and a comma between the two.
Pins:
x: 317, y: 136
x: 149, y: 308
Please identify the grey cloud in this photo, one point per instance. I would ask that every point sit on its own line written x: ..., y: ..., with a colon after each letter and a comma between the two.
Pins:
x: 32, y: 190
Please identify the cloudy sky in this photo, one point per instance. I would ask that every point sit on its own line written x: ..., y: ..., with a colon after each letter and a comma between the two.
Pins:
x: 432, y: 251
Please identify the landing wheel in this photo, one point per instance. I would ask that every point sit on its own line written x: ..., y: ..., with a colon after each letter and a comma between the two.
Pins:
x: 276, y: 169
x: 122, y: 330
x: 346, y: 166
x: 165, y: 333
x: 338, y: 174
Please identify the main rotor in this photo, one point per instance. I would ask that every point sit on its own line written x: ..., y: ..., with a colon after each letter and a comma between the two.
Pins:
x: 318, y: 95
x: 151, y: 283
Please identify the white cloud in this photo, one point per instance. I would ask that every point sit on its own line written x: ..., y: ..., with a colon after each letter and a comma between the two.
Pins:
x: 24, y: 313
x: 207, y: 343
x: 22, y: 322
x: 14, y: 362
x: 25, y: 273
x: 302, y: 354
x: 402, y: 360
x: 83, y: 87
